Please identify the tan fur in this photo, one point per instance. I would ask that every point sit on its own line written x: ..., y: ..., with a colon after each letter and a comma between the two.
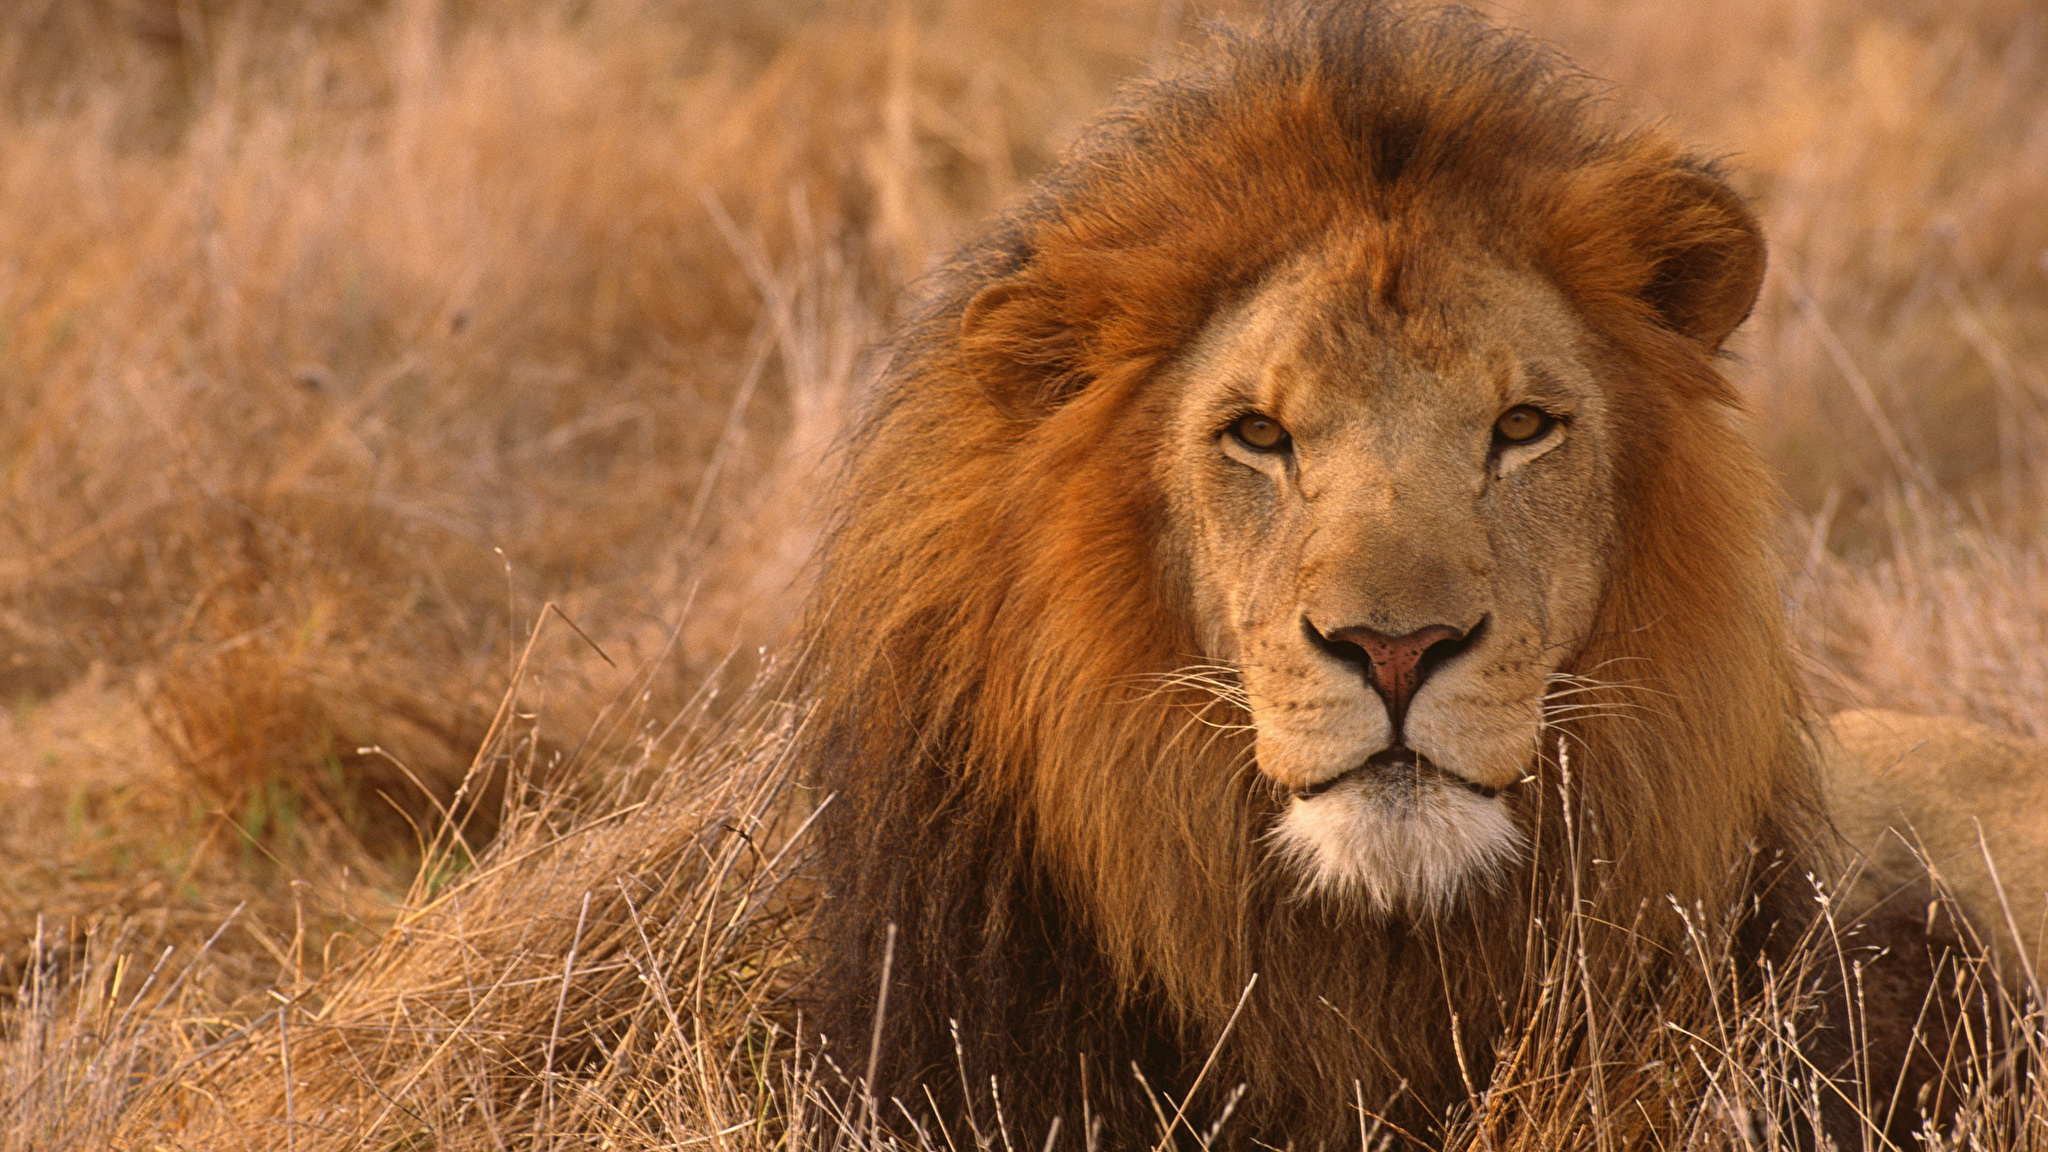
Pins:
x: 1064, y: 688
x: 1914, y: 793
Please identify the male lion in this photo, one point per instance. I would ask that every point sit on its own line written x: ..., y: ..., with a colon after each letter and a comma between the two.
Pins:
x: 1244, y: 528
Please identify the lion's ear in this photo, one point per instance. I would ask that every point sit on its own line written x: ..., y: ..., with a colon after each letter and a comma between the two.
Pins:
x: 1017, y: 345
x: 1708, y: 258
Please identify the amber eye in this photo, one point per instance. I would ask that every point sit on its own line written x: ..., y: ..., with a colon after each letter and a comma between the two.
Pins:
x: 1521, y: 424
x: 1259, y: 432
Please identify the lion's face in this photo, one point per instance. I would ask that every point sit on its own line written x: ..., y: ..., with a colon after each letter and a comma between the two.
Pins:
x: 1391, y: 498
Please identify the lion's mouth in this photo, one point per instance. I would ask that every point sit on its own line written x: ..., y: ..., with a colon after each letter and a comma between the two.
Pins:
x: 1393, y: 764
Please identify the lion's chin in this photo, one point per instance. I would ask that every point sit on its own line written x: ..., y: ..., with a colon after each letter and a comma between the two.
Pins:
x: 1404, y: 843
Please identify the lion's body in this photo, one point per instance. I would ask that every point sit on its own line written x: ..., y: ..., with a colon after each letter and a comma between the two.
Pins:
x: 1914, y: 793
x: 1090, y: 750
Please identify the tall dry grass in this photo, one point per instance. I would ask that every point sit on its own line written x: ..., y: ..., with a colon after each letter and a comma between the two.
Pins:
x: 618, y: 972
x: 337, y: 339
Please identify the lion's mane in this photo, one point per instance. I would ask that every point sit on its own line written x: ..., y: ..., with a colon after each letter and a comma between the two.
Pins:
x: 1071, y: 852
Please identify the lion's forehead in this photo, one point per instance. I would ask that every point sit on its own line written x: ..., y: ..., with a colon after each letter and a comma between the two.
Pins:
x: 1321, y: 348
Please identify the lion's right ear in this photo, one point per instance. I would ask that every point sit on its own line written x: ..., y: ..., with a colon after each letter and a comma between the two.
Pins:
x: 1707, y: 256
x: 1016, y: 342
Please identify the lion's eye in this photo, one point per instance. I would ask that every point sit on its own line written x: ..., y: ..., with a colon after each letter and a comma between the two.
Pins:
x: 1523, y: 424
x: 1260, y: 432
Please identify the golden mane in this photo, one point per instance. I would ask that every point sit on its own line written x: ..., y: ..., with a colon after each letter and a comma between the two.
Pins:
x: 1067, y: 837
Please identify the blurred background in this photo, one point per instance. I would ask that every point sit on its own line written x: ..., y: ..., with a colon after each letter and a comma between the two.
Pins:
x: 336, y: 339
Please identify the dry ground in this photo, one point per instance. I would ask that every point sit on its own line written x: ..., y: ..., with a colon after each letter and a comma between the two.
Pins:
x: 337, y: 339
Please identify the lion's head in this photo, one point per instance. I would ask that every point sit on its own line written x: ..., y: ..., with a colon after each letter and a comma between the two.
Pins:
x: 1250, y: 526
x: 1393, y: 492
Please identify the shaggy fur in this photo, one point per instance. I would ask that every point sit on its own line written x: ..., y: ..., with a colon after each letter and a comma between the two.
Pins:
x: 1068, y: 837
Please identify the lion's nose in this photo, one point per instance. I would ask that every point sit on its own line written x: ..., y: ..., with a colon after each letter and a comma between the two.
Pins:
x: 1396, y: 666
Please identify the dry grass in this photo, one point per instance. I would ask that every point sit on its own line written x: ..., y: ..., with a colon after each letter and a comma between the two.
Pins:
x: 337, y: 342
x: 616, y: 973
x: 335, y: 339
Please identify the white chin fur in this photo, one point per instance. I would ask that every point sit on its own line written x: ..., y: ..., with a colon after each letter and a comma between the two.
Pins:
x: 1404, y: 847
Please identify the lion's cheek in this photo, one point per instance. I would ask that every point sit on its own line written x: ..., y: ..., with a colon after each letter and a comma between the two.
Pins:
x: 1490, y: 742
x: 1303, y: 743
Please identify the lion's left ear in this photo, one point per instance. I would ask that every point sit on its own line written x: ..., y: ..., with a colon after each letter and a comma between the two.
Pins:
x: 1707, y: 256
x: 1015, y: 343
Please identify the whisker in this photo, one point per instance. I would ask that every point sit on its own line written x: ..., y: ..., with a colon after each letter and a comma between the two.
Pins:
x: 1580, y: 682
x: 1566, y: 705
x: 1579, y: 690
x: 1558, y: 722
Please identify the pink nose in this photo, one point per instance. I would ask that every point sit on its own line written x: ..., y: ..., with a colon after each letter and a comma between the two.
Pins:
x: 1398, y: 664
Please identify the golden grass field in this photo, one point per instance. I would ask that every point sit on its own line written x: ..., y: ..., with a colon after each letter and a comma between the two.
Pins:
x: 337, y: 340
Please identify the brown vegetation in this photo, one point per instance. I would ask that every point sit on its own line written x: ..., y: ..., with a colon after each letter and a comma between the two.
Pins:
x: 309, y: 311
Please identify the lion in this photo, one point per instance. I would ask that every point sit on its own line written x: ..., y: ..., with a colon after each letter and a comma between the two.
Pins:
x: 1913, y: 795
x: 1304, y: 543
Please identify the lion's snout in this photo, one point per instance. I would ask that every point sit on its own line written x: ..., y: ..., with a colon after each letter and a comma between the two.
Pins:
x: 1395, y: 666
